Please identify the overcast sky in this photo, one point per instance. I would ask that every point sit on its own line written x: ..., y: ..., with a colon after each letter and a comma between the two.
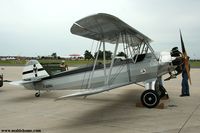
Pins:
x: 41, y: 27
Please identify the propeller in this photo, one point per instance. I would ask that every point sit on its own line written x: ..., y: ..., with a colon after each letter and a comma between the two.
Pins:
x: 185, y: 58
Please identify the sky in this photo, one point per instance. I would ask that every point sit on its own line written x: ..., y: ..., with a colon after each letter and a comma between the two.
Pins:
x: 42, y: 27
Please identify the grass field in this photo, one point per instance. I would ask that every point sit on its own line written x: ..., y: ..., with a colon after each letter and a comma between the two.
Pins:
x: 68, y: 62
x: 195, y: 63
x: 23, y: 62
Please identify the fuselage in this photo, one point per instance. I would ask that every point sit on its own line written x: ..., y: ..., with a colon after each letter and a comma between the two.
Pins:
x: 148, y: 66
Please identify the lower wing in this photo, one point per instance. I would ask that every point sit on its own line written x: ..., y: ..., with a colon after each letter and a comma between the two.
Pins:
x: 92, y: 91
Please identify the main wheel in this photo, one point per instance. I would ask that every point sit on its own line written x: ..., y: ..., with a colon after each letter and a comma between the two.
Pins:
x: 37, y: 94
x: 150, y: 98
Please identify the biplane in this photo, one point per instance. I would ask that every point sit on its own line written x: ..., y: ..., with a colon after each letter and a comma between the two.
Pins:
x: 142, y: 63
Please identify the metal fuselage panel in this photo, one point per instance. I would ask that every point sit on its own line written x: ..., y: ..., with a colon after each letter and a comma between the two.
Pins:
x: 148, y: 68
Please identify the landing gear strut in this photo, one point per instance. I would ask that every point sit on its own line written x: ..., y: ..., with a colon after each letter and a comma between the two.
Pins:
x: 150, y: 98
x: 161, y: 91
x: 37, y: 94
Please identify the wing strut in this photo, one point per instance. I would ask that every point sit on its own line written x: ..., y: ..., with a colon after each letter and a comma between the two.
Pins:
x: 104, y: 60
x: 151, y: 49
x: 95, y: 62
x: 113, y: 58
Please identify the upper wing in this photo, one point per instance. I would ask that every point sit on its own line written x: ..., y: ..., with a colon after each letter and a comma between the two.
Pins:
x: 107, y: 28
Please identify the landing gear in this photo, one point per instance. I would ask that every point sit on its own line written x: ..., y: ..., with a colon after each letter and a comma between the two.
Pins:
x: 160, y: 89
x: 150, y: 98
x: 37, y: 94
x: 163, y: 92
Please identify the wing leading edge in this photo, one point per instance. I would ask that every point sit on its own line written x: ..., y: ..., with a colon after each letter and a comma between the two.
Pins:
x: 107, y: 28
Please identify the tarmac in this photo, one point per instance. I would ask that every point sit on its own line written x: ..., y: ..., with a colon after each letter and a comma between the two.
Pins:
x: 114, y: 111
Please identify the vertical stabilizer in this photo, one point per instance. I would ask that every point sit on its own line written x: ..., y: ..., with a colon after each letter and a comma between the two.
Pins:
x: 33, y: 70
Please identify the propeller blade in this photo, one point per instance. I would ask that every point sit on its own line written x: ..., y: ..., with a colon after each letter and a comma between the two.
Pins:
x: 182, y: 45
x: 187, y: 67
x: 185, y: 58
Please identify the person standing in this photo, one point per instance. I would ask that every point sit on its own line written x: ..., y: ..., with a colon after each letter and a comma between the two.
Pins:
x: 184, y: 84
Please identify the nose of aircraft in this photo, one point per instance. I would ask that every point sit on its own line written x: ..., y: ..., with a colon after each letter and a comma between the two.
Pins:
x: 177, y: 55
x: 180, y: 58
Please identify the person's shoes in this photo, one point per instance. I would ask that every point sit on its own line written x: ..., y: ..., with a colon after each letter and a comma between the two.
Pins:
x: 182, y: 95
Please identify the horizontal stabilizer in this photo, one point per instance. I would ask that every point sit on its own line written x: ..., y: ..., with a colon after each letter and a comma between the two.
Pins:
x: 32, y: 72
x: 21, y: 82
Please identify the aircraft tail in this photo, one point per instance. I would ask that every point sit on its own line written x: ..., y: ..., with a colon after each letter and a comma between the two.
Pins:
x: 33, y: 71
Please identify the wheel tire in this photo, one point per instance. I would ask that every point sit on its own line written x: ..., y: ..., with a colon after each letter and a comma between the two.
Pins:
x: 150, y: 98
x: 1, y: 80
x: 37, y: 94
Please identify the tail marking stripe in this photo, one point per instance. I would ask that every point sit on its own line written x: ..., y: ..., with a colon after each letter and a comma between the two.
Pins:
x: 31, y: 71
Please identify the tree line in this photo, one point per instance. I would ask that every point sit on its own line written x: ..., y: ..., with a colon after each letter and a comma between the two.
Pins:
x: 108, y: 55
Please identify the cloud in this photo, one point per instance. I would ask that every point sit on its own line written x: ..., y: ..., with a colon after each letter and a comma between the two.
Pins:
x: 40, y: 27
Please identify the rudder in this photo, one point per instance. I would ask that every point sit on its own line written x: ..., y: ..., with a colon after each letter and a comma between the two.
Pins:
x: 33, y: 70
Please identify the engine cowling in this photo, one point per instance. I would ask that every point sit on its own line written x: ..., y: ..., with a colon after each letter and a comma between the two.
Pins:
x: 178, y: 61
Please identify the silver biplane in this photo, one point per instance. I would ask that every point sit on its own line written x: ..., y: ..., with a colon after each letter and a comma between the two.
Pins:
x: 142, y: 64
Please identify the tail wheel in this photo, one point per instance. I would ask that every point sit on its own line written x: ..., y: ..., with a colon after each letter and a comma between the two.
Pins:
x: 37, y: 94
x: 1, y: 80
x: 150, y: 98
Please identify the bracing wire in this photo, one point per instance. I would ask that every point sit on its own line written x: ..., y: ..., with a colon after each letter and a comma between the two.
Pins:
x: 87, y: 65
